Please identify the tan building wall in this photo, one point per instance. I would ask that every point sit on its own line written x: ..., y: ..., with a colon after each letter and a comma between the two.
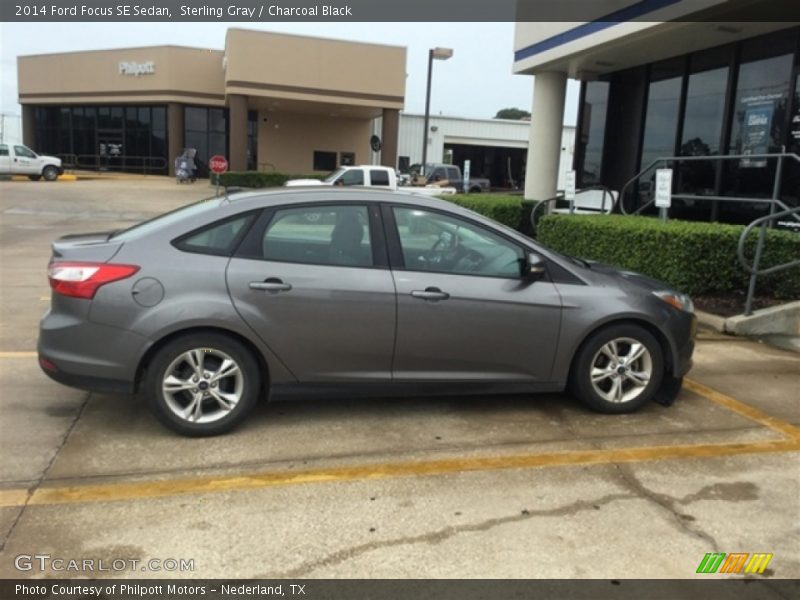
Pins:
x: 189, y: 75
x: 320, y: 70
x: 287, y: 141
x: 323, y: 94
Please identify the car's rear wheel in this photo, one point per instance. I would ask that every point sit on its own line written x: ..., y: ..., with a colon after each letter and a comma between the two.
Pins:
x: 50, y: 173
x: 202, y: 384
x: 618, y: 369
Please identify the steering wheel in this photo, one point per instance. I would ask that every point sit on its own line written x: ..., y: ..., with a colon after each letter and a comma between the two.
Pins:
x: 446, y: 250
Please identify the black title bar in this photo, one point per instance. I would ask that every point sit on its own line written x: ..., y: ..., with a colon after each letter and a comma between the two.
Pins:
x: 261, y: 11
x: 711, y: 588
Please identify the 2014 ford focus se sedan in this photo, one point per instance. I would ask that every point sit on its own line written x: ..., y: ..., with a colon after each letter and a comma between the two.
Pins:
x: 207, y: 309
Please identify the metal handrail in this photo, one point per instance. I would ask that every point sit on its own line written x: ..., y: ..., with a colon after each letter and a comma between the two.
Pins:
x: 664, y: 160
x: 753, y: 269
x: 97, y: 161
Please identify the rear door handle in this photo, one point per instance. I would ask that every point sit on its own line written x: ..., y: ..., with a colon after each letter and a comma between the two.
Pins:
x: 430, y: 293
x: 271, y: 284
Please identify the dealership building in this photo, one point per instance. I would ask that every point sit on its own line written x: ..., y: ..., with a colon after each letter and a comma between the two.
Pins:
x: 268, y: 101
x: 709, y: 83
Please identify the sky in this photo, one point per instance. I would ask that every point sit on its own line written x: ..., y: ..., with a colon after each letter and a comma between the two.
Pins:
x: 476, y: 82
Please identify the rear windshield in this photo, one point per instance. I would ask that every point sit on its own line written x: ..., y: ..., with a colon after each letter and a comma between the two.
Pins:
x: 168, y: 218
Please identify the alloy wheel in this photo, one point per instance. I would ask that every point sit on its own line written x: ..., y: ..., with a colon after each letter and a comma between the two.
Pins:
x: 202, y: 385
x: 621, y: 370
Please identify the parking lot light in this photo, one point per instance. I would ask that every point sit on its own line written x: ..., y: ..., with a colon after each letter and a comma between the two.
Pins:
x: 438, y: 54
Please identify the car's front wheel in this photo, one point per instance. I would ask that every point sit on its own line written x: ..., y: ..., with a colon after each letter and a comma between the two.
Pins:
x: 50, y: 173
x: 618, y: 369
x: 203, y: 384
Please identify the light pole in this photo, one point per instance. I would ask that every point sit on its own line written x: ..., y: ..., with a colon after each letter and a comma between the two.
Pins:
x: 438, y: 54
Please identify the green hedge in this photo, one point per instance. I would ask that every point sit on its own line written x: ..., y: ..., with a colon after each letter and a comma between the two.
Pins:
x: 260, y: 179
x: 695, y: 257
x: 513, y: 211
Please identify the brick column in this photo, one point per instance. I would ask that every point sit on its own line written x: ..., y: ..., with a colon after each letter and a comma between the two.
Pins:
x: 237, y: 132
x: 175, y: 134
x: 389, y: 135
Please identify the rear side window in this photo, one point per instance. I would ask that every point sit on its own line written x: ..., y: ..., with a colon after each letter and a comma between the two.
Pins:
x: 317, y: 235
x: 3, y: 150
x: 219, y: 238
x: 379, y: 177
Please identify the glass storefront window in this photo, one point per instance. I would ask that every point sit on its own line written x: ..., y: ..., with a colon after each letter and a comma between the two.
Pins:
x: 703, y: 122
x: 661, y: 116
x: 125, y: 138
x: 206, y: 130
x: 758, y: 123
x: 593, y: 128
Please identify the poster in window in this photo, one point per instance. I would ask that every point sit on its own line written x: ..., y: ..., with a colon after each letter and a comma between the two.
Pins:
x: 756, y: 133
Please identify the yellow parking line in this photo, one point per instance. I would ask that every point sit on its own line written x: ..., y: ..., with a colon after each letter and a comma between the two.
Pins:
x: 18, y: 354
x: 251, y: 481
x: 110, y: 492
x: 750, y: 412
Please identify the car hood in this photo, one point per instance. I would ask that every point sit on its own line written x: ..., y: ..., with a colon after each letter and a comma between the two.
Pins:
x: 52, y: 159
x: 637, y: 279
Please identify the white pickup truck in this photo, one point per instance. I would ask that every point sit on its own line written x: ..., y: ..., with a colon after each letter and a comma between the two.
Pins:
x: 371, y: 176
x: 16, y: 159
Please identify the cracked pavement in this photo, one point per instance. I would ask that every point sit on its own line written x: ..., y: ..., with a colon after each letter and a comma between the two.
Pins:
x: 649, y: 518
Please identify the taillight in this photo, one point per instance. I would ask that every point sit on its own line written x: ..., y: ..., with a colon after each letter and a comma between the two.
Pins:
x: 82, y: 279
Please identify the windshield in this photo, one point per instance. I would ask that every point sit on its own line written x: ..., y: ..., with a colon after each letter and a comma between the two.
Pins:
x: 334, y: 176
x: 167, y: 218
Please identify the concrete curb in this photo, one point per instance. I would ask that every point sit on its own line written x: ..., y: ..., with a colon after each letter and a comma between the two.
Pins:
x: 776, y: 320
x: 710, y: 321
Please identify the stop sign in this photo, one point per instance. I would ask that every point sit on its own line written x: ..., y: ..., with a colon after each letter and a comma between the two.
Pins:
x: 218, y: 164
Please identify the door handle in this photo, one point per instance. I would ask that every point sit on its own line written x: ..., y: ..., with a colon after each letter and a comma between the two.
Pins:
x: 271, y: 284
x: 430, y: 293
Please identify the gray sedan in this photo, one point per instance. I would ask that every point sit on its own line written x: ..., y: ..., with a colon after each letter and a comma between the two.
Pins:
x: 211, y: 307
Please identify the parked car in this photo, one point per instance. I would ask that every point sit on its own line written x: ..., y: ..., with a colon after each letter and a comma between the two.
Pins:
x: 452, y: 175
x: 209, y: 308
x: 16, y: 159
x: 374, y: 176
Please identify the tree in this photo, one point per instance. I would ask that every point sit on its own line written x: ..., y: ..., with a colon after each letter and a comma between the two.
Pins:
x: 515, y: 114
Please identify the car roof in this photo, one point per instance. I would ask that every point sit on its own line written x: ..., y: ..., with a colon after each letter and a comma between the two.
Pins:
x: 316, y: 193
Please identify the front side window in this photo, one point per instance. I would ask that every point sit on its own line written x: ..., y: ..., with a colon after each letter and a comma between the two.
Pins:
x: 432, y: 241
x: 24, y: 152
x: 352, y: 177
x: 321, y: 235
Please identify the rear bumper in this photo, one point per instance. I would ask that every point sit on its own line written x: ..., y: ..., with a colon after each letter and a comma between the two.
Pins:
x: 89, y: 356
x: 86, y: 382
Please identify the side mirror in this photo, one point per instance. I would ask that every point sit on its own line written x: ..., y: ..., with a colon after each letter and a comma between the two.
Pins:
x: 534, y: 267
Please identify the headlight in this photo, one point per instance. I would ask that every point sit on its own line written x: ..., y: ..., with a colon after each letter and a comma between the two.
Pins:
x: 676, y: 300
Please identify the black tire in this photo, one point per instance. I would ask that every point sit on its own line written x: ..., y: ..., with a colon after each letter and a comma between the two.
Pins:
x: 214, y: 346
x: 475, y: 190
x: 50, y: 173
x: 590, y: 357
x: 34, y: 177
